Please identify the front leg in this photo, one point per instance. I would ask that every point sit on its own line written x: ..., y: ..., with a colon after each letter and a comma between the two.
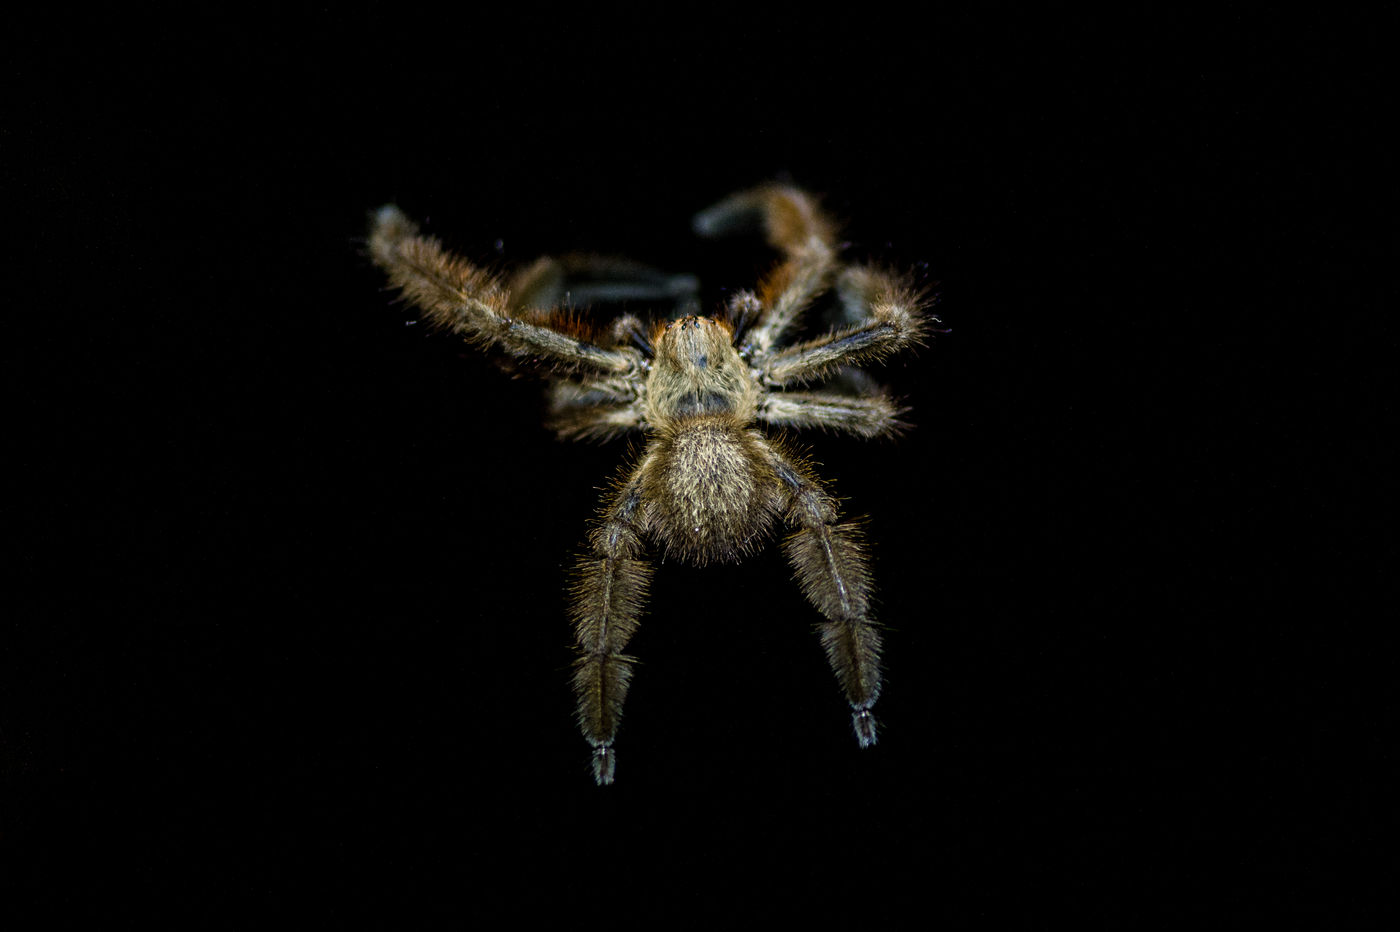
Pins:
x: 888, y: 312
x: 609, y: 591
x: 794, y: 224
x: 830, y: 563
x: 454, y: 294
x: 863, y: 415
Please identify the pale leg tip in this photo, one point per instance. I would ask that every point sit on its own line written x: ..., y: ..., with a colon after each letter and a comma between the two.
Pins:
x: 604, y: 763
x: 864, y: 724
x: 388, y: 214
x: 707, y: 223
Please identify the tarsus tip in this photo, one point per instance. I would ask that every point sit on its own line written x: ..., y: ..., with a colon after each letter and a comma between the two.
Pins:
x: 604, y: 764
x: 864, y: 724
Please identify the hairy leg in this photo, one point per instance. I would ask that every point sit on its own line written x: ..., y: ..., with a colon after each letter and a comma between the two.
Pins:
x: 863, y: 415
x: 594, y: 409
x: 608, y: 594
x: 828, y: 557
x: 457, y: 295
x: 576, y: 413
x: 891, y: 310
x: 793, y: 224
x: 582, y: 280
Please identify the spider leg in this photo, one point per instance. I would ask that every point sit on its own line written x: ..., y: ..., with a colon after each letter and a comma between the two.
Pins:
x: 891, y: 321
x: 864, y: 415
x: 594, y: 409
x: 457, y: 295
x: 608, y: 594
x: 829, y: 561
x: 795, y: 225
x: 581, y: 280
x: 590, y: 412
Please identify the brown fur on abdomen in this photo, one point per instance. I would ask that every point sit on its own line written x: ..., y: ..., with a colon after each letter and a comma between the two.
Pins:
x: 713, y: 495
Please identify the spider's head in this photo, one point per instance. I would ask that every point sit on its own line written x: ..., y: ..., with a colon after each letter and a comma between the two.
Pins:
x: 697, y: 370
x: 692, y: 342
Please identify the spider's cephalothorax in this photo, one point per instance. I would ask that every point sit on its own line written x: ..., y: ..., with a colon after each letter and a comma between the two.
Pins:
x: 710, y: 483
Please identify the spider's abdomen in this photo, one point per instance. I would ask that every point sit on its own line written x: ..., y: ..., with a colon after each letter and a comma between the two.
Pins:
x: 713, y: 493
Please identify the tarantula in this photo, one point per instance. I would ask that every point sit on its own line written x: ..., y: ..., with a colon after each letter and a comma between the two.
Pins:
x: 709, y: 484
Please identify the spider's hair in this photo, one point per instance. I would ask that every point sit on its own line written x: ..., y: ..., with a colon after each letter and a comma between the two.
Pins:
x: 458, y: 296
x: 710, y: 484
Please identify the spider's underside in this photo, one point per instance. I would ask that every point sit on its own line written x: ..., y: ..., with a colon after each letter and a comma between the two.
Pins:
x: 710, y: 484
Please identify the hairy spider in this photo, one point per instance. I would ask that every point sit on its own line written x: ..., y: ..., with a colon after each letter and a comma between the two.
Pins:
x: 709, y: 484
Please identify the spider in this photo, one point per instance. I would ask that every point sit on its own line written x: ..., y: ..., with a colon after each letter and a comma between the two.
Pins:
x: 710, y: 483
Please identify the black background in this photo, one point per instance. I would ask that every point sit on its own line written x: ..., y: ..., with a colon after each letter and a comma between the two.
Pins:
x: 293, y: 630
